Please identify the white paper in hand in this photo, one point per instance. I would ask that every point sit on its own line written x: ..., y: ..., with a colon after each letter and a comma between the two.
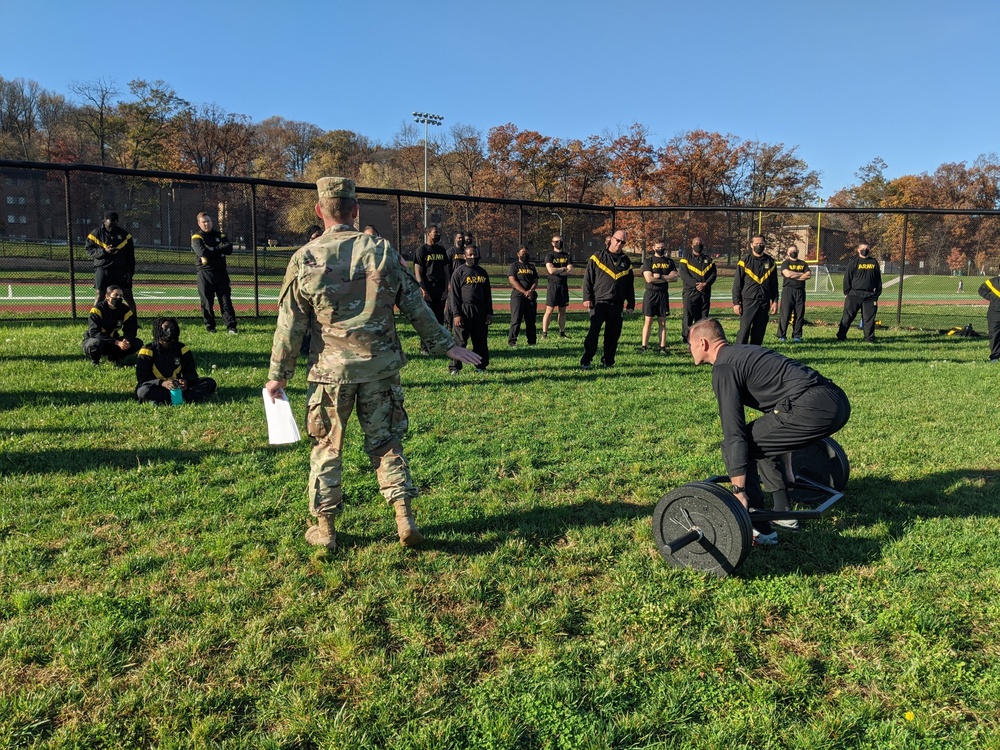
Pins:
x: 281, y: 426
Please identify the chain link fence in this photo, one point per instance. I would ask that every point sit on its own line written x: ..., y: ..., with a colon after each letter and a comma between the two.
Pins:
x: 933, y: 261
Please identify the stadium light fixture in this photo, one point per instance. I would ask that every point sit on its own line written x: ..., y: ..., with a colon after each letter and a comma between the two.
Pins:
x: 427, y: 119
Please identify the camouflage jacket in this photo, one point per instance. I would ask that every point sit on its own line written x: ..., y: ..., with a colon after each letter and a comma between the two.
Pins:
x: 343, y: 286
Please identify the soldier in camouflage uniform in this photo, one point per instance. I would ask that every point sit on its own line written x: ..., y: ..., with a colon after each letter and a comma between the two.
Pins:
x: 344, y: 286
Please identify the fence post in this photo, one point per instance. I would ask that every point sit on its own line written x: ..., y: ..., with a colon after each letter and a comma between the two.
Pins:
x: 69, y: 244
x: 399, y: 225
x: 253, y: 241
x: 614, y: 219
x: 902, y: 272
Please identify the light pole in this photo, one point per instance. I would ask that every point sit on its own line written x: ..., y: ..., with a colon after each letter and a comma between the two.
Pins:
x: 560, y: 221
x: 427, y: 119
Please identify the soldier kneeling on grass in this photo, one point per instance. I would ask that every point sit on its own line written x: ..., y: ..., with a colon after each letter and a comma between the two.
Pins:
x: 167, y: 365
x: 111, y: 329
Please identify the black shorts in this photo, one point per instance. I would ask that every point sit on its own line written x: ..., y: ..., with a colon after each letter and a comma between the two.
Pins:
x: 655, y: 304
x: 557, y: 294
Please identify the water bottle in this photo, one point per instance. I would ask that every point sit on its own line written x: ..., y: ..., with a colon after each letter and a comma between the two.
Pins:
x: 176, y: 396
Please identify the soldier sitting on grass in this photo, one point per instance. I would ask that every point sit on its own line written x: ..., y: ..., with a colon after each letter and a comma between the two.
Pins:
x: 111, y: 330
x: 167, y: 365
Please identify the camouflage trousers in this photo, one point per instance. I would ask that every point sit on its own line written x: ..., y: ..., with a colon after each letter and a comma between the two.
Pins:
x: 379, y: 405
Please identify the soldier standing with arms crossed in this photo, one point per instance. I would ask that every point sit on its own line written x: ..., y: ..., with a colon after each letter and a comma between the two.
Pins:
x: 347, y: 283
x: 755, y: 292
x: 658, y: 271
x: 697, y: 272
x: 793, y: 295
x: 558, y: 265
x: 211, y: 247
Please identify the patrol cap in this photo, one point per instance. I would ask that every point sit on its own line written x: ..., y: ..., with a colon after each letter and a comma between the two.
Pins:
x: 335, y: 187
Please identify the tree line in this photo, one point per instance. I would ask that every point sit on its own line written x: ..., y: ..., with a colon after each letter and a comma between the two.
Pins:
x: 147, y: 125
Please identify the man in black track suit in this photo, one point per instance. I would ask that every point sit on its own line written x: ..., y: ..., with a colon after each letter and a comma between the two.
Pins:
x: 608, y: 283
x: 862, y: 288
x: 990, y: 290
x: 697, y: 273
x: 793, y: 294
x: 799, y: 407
x: 211, y: 247
x: 111, y: 329
x: 168, y: 365
x: 523, y: 279
x: 755, y: 292
x: 471, y: 301
x: 113, y: 252
x: 432, y: 269
x: 658, y: 271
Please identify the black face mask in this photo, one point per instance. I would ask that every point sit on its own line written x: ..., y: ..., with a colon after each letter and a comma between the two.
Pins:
x: 793, y: 256
x: 557, y: 245
x: 698, y: 248
x: 169, y: 333
x: 864, y: 253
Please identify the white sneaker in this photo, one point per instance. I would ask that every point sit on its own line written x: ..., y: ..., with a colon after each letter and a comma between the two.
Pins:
x: 764, y: 540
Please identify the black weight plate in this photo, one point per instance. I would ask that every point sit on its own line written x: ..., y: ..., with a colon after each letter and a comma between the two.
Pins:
x: 724, y: 523
x: 824, y: 462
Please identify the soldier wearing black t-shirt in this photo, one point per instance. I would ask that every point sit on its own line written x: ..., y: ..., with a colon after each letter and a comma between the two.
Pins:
x: 799, y: 407
x: 658, y: 271
x: 559, y: 267
x: 793, y: 295
x: 523, y: 297
x: 862, y: 288
x: 990, y: 290
x: 697, y: 272
x: 471, y: 300
x: 755, y: 292
x: 433, y: 269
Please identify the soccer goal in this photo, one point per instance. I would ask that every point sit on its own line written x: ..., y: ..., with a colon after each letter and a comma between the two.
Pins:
x: 821, y: 281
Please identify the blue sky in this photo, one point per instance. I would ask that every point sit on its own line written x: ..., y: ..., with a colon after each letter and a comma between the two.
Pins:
x: 914, y: 83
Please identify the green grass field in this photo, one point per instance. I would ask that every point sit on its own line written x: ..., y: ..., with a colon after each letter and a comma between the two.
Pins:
x: 156, y: 591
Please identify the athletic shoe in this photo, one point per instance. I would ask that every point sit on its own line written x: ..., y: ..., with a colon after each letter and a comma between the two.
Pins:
x: 642, y: 349
x: 796, y: 341
x: 453, y: 372
x: 582, y: 366
x: 480, y: 369
x: 95, y: 362
x: 210, y: 330
x: 764, y: 540
x: 991, y: 362
x: 782, y: 339
x: 663, y: 350
x: 562, y: 335
x: 788, y: 524
x: 841, y: 338
x: 232, y: 331
x: 545, y: 335
x: 511, y: 344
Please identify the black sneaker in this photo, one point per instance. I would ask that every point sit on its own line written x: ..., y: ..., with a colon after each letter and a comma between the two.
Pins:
x: 663, y: 350
x: 562, y: 335
x: 545, y: 335
x: 585, y: 365
x: 643, y: 349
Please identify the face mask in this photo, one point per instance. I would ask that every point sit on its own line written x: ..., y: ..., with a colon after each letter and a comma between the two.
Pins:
x: 470, y: 261
x: 864, y: 253
x: 523, y: 257
x: 557, y: 245
x: 757, y: 249
x: 793, y: 256
x: 697, y: 248
x: 169, y: 333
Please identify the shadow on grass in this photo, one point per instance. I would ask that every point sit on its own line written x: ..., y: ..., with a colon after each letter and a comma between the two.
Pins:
x: 78, y: 461
x: 539, y: 526
x: 889, y: 506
